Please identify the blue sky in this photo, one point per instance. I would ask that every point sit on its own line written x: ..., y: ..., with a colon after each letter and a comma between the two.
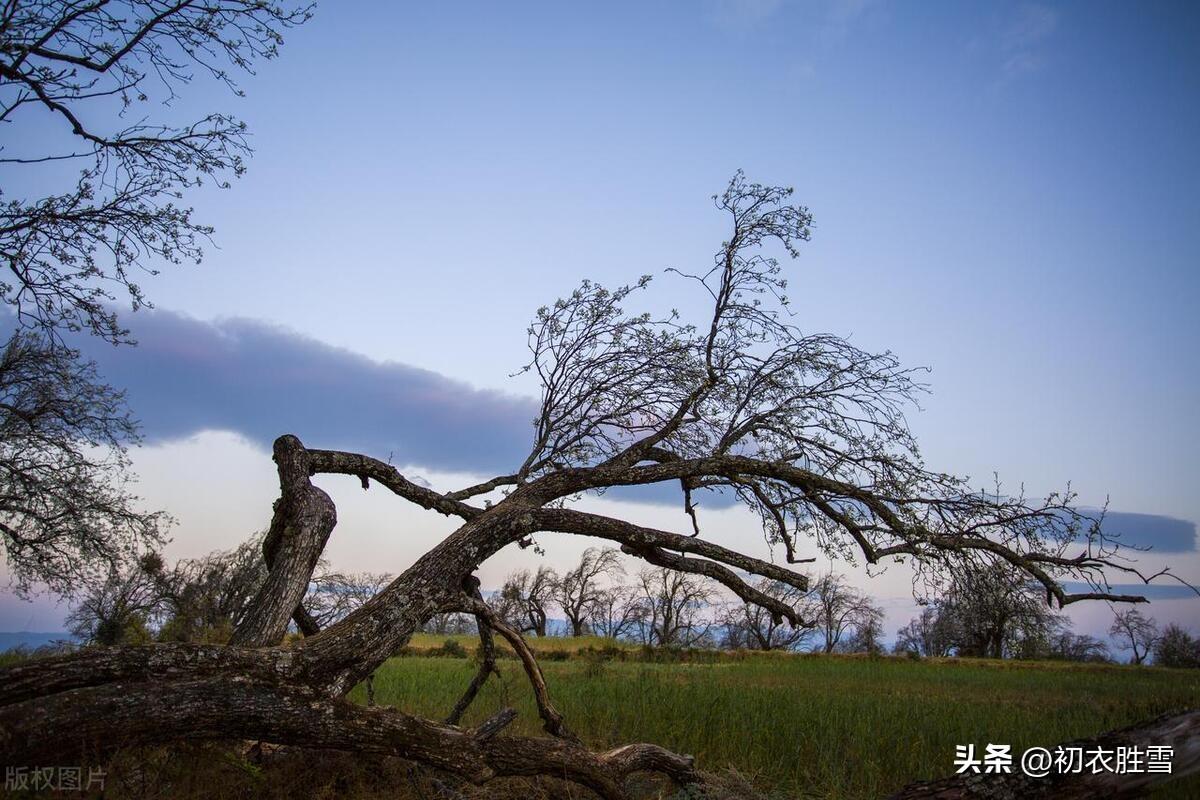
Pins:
x: 1003, y: 192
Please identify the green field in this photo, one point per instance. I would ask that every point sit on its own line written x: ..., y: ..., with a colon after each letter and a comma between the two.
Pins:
x: 816, y: 726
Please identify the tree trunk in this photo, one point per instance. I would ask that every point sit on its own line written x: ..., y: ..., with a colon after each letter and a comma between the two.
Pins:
x: 102, y: 699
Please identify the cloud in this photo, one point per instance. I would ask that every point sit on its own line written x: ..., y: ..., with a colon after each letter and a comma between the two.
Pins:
x: 1150, y: 591
x: 263, y: 381
x: 1160, y: 533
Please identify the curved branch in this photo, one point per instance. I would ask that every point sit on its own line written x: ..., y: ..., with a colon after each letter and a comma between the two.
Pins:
x: 483, y: 488
x: 564, y: 520
x: 915, y: 539
x: 779, y: 610
x: 551, y: 719
x: 487, y: 661
x: 364, y: 467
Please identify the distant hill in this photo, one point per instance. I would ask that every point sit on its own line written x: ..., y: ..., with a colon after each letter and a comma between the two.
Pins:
x: 30, y: 639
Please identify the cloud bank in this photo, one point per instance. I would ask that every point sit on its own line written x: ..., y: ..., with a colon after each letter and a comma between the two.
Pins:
x: 262, y: 381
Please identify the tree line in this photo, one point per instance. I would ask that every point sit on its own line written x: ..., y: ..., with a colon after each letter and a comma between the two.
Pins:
x: 982, y: 614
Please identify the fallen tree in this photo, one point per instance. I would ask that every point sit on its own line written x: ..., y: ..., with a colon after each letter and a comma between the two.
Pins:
x: 806, y: 430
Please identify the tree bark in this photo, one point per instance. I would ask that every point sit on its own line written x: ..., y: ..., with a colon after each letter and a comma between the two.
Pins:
x: 102, y: 699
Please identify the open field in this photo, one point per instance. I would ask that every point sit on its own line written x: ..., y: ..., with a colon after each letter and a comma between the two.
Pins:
x: 817, y: 726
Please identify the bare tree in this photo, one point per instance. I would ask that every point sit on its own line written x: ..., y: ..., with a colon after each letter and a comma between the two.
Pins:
x: 524, y: 600
x: 838, y: 608
x: 617, y: 613
x: 808, y: 430
x: 750, y: 626
x: 67, y: 516
x: 89, y: 202
x: 333, y: 596
x: 677, y: 608
x: 928, y: 634
x: 1134, y: 632
x: 1065, y: 645
x: 866, y: 635
x: 449, y: 624
x: 120, y: 609
x: 90, y: 68
x: 577, y: 591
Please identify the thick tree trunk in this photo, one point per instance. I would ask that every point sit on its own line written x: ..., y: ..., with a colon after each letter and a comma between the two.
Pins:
x: 102, y: 699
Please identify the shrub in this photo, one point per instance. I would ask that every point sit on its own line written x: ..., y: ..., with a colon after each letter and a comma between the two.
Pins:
x: 1177, y: 648
x: 451, y: 648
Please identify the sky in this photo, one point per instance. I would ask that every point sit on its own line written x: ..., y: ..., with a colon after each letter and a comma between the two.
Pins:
x: 1003, y: 192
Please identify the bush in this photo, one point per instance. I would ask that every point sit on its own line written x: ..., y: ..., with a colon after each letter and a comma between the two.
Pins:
x: 1177, y: 648
x: 451, y: 648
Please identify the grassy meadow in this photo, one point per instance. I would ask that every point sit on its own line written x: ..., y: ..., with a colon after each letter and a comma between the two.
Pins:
x: 798, y: 725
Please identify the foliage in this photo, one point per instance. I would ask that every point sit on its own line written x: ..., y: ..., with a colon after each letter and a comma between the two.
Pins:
x: 67, y: 517
x: 90, y: 68
x: 1177, y: 647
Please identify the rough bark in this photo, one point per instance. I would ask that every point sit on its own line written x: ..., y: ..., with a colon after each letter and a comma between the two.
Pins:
x: 304, y: 517
x: 99, y: 700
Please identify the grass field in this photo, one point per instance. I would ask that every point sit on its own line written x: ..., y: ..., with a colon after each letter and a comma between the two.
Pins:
x: 814, y: 726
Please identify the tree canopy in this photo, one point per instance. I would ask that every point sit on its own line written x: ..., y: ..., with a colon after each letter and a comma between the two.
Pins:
x: 94, y: 69
x: 807, y: 430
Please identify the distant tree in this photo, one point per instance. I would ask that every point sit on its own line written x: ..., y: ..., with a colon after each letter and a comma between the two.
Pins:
x: 1134, y: 632
x: 996, y: 611
x: 449, y: 624
x: 120, y: 609
x: 838, y: 607
x: 1065, y: 645
x: 676, y: 605
x: 866, y: 634
x: 578, y: 590
x: 928, y: 634
x: 332, y: 596
x: 205, y: 598
x: 67, y: 517
x: 1176, y: 647
x: 524, y: 599
x: 749, y: 626
x: 617, y: 613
